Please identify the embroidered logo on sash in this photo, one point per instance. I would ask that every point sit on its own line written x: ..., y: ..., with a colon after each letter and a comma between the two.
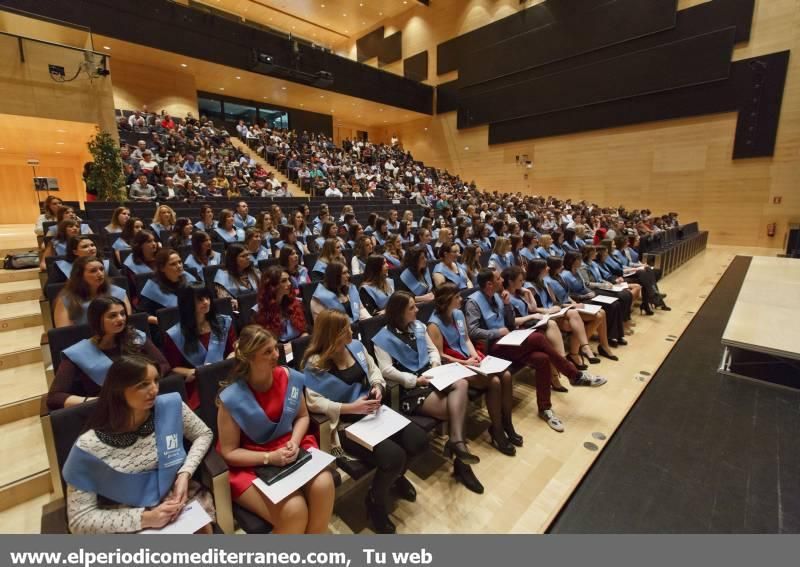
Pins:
x: 361, y: 356
x: 295, y: 392
x: 460, y: 325
x: 171, y: 441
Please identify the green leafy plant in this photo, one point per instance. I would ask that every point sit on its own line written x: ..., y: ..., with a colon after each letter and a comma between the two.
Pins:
x: 106, y: 176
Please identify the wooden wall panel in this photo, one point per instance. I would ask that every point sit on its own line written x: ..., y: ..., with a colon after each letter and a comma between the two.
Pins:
x: 138, y: 85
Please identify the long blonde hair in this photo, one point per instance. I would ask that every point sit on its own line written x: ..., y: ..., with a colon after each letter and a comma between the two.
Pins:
x: 251, y: 340
x: 157, y: 215
x: 328, y: 327
x: 502, y: 245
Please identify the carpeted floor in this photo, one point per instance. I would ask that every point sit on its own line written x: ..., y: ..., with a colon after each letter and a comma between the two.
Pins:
x: 700, y: 452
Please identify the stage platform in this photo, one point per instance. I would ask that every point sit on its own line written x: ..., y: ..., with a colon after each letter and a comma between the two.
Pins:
x: 762, y: 338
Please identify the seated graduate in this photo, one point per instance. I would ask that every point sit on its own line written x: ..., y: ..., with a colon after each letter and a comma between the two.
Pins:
x: 580, y: 291
x: 471, y: 260
x: 543, y: 250
x: 142, y: 259
x: 125, y: 241
x: 301, y: 229
x: 121, y: 475
x: 84, y: 365
x: 490, y: 316
x: 253, y: 243
x: 279, y: 310
x: 381, y: 232
x: 78, y: 247
x: 528, y: 251
x: 405, y: 232
x: 593, y: 276
x: 502, y: 256
x: 328, y: 230
x: 225, y: 230
x: 481, y: 232
x: 376, y: 287
x: 58, y: 244
x: 119, y: 218
x: 181, y: 233
x: 416, y: 278
x: 331, y: 251
x: 339, y: 375
x: 464, y: 236
x: 404, y: 351
x: 393, y: 251
x: 86, y: 282
x: 354, y: 232
x: 263, y: 420
x: 447, y: 329
x: 336, y: 292
x: 571, y: 241
x: 49, y: 213
x: 162, y: 290
x: 289, y: 238
x: 206, y: 223
x: 620, y: 260
x: 449, y: 270
x: 201, y: 336
x: 556, y: 249
x: 202, y: 255
x: 595, y: 324
x: 238, y: 275
x: 289, y: 260
x: 68, y: 213
x: 363, y: 248
x: 163, y: 221
x: 425, y: 239
x: 241, y: 218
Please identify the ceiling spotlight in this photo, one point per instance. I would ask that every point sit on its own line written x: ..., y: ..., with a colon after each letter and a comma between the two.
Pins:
x: 59, y: 143
x: 106, y: 47
x: 238, y: 77
x: 283, y: 88
x: 184, y: 65
x: 222, y: 88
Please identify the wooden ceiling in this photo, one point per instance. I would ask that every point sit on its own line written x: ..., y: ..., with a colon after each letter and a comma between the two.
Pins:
x: 327, y: 22
x: 227, y: 81
x: 35, y: 138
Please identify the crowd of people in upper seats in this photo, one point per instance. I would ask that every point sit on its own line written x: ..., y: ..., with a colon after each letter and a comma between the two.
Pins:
x: 480, y: 264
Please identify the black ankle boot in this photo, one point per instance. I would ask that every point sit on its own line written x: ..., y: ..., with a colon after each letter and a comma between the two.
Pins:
x: 378, y: 516
x: 512, y: 435
x: 465, y: 476
x: 404, y: 489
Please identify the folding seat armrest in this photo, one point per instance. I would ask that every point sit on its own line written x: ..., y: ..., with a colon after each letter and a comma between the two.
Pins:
x: 214, y: 476
x: 54, y: 518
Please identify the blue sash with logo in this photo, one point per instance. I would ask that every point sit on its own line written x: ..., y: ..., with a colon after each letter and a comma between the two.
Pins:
x: 502, y: 262
x: 460, y: 278
x: 91, y: 360
x: 320, y: 267
x: 120, y: 245
x: 333, y: 388
x: 86, y: 472
x: 238, y: 237
x: 558, y: 290
x: 493, y: 320
x: 378, y: 296
x: 59, y: 247
x: 520, y: 306
x: 233, y: 287
x: 207, y: 229
x: 456, y: 334
x: 201, y: 356
x: 331, y: 300
x: 574, y: 283
x: 542, y: 253
x: 262, y: 254
x: 412, y: 359
x: 191, y: 262
x: 136, y: 268
x: 414, y: 285
x: 527, y: 254
x: 245, y: 410
x: 66, y: 267
x: 556, y: 251
x: 246, y: 223
x: 301, y: 277
x: 393, y: 262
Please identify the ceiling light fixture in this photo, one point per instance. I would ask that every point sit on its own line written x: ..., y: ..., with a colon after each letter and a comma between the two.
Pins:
x: 59, y: 143
x: 106, y: 47
x: 184, y: 65
x: 222, y: 88
x: 238, y: 77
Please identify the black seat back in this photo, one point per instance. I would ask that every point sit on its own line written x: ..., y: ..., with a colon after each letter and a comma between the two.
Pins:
x: 246, y: 303
x: 208, y: 379
x: 425, y: 311
x: 299, y: 346
x: 370, y: 328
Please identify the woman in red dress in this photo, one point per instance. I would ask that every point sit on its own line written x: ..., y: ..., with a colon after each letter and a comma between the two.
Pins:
x: 246, y: 442
x: 447, y: 329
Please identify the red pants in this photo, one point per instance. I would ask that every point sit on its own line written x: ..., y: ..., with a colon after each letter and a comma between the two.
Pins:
x: 538, y: 353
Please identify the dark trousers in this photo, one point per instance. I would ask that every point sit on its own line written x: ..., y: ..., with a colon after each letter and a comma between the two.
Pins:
x: 539, y: 354
x: 389, y: 457
x: 625, y: 300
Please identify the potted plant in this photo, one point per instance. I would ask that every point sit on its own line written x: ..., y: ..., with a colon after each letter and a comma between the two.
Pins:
x: 104, y: 175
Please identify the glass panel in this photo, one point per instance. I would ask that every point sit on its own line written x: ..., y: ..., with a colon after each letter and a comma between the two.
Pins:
x: 274, y: 118
x: 235, y: 112
x: 210, y: 108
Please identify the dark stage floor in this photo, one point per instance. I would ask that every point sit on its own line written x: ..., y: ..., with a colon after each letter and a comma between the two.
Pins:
x: 699, y: 452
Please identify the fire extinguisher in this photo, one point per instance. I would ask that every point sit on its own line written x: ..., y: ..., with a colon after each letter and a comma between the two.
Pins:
x: 771, y: 229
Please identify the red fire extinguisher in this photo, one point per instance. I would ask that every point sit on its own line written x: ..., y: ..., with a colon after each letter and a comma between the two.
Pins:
x: 771, y: 229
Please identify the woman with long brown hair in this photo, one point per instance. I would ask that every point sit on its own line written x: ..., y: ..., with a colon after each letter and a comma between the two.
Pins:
x: 376, y: 286
x: 87, y: 281
x: 279, y: 310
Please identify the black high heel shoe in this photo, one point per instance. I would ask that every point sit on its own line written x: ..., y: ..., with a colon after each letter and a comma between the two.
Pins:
x: 463, y: 474
x: 603, y: 352
x: 591, y: 358
x: 404, y: 489
x: 579, y: 365
x: 502, y: 444
x: 378, y: 516
x: 459, y: 450
x: 645, y: 309
x: 513, y: 436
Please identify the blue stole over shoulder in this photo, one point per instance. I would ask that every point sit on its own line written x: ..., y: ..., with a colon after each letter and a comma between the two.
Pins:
x: 207, y: 229
x: 153, y: 292
x: 136, y: 268
x: 558, y: 290
x: 527, y: 254
x: 378, y: 296
x: 238, y: 237
x: 431, y: 255
x: 246, y: 223
x: 59, y: 247
x: 542, y: 253
x: 115, y: 291
x: 485, y: 244
x: 91, y: 360
x: 520, y: 306
x: 201, y: 356
x: 594, y: 268
x: 460, y: 278
x: 262, y: 254
x: 494, y: 320
x: 245, y: 410
x: 504, y: 261
x: 320, y: 266
x: 233, y: 287
x: 574, y: 283
x: 333, y: 388
x: 301, y: 277
x: 393, y: 262
x: 214, y: 259
x: 120, y: 245
x: 411, y: 359
x: 456, y: 334
x: 86, y: 472
x: 414, y: 285
x: 331, y: 300
x: 66, y: 267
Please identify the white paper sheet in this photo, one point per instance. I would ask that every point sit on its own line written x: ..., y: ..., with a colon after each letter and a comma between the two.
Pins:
x: 372, y: 429
x: 192, y: 518
x: 446, y: 374
x: 607, y: 299
x: 515, y: 338
x: 491, y: 365
x: 619, y: 287
x: 277, y: 491
x: 590, y: 309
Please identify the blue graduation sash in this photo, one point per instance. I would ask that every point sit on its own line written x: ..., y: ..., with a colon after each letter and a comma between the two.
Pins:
x: 570, y: 247
x: 320, y: 241
x: 214, y: 259
x: 245, y: 410
x: 401, y: 352
x: 331, y: 300
x: 201, y: 356
x: 620, y: 258
x: 115, y: 291
x: 207, y: 229
x: 429, y: 252
x: 500, y: 261
x: 556, y: 251
x: 85, y: 229
x: 362, y: 265
x: 379, y: 239
x: 136, y: 268
x: 485, y: 244
x: 334, y: 389
x: 527, y: 254
x: 158, y: 227
x: 493, y: 320
x: 542, y: 253
x: 262, y: 254
x: 121, y: 245
x: 377, y: 295
x: 558, y: 290
x: 238, y: 237
x: 300, y: 278
x: 519, y: 305
x: 66, y: 267
x: 634, y: 255
x: 59, y: 248
x: 86, y: 472
x: 288, y: 332
x: 460, y: 279
x: 455, y: 335
x: 414, y: 285
x: 574, y: 283
x: 224, y: 279
x: 393, y: 262
x: 320, y: 267
x: 246, y: 223
x: 595, y: 269
x: 91, y: 360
